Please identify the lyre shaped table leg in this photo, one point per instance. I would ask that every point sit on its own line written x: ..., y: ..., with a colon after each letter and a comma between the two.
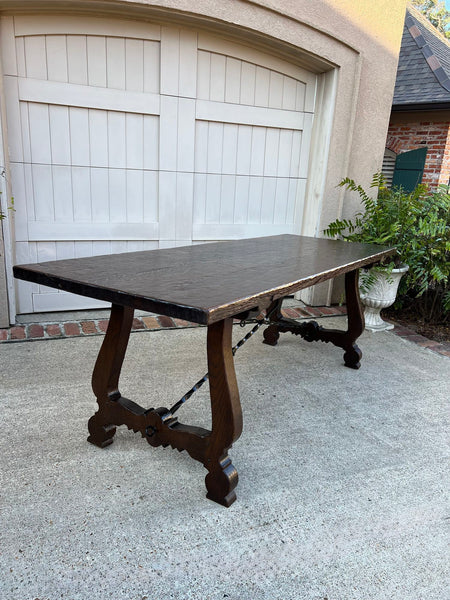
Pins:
x: 105, y: 378
x: 355, y: 320
x: 226, y: 414
x: 311, y: 331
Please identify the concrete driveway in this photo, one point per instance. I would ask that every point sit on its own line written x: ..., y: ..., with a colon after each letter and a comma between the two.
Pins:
x: 343, y: 490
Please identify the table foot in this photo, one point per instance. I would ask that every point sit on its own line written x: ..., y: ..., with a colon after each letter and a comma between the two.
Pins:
x: 352, y: 357
x: 271, y: 335
x: 101, y: 435
x: 221, y: 481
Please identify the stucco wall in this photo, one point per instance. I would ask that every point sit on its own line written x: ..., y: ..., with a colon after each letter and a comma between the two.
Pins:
x: 354, y: 44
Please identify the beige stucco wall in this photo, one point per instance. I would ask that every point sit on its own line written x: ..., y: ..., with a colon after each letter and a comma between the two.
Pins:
x: 355, y: 45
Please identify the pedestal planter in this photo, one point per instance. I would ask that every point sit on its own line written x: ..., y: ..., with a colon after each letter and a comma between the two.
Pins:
x: 382, y: 293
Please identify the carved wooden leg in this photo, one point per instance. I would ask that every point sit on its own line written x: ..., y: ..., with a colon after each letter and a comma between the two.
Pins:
x: 311, y: 331
x: 355, y: 320
x: 226, y: 414
x: 271, y: 334
x: 105, y: 379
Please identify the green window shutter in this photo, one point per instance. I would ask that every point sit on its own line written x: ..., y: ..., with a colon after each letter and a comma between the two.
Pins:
x: 408, y: 170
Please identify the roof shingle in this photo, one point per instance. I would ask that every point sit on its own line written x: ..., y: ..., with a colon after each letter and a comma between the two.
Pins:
x: 423, y: 74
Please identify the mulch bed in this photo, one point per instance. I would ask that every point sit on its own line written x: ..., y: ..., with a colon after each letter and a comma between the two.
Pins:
x: 407, y: 318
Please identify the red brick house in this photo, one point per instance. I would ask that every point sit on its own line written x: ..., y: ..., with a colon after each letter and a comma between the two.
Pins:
x: 420, y: 117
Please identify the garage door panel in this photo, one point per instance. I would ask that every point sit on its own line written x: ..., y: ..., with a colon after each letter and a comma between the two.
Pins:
x: 151, y: 195
x: 179, y: 57
x: 95, y: 232
x: 62, y: 193
x: 152, y: 68
x: 99, y: 195
x: 99, y: 61
x: 163, y: 137
x: 56, y: 50
x: 239, y: 199
x: 54, y: 92
x: 77, y: 59
x: 177, y: 143
x: 96, y: 60
x: 246, y: 150
x: 249, y: 115
x: 214, y: 232
x: 40, y: 145
x: 280, y: 201
x: 135, y: 196
x: 42, y: 183
x: 59, y: 134
x: 254, y: 200
x: 175, y: 207
x: 226, y: 79
x: 69, y: 195
x: 81, y: 194
x: 89, y: 137
x: 227, y: 198
x: 79, y: 136
x: 219, y: 45
x: 117, y: 185
x: 134, y: 142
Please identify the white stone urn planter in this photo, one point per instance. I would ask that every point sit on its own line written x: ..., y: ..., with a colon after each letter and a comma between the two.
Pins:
x: 382, y: 293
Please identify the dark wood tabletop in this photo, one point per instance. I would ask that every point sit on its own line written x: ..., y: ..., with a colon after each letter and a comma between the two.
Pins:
x: 208, y: 282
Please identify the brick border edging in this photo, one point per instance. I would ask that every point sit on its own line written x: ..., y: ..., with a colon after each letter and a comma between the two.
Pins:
x: 44, y: 331
x: 53, y: 330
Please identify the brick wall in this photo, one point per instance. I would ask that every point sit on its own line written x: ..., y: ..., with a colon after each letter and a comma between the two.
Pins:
x: 403, y: 137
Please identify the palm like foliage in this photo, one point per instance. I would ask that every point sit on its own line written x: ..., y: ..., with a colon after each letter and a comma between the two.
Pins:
x: 418, y: 225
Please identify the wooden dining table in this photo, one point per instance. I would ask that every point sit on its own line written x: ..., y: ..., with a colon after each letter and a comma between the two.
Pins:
x: 211, y: 284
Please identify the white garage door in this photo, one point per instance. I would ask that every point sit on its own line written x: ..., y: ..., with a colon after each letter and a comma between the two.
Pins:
x: 126, y: 136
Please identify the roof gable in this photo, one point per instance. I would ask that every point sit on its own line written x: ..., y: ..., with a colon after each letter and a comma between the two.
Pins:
x: 423, y: 74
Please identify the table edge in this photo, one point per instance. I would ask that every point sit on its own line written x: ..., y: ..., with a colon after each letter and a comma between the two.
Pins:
x: 190, y: 313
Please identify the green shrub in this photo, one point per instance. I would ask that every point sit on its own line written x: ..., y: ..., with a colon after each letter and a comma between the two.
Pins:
x: 418, y: 225
x: 11, y: 207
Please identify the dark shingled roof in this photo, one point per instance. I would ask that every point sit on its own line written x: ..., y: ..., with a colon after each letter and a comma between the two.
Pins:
x: 423, y: 74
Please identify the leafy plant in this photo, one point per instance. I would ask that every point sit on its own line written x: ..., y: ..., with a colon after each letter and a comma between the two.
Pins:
x: 10, y: 207
x: 436, y: 12
x: 418, y: 225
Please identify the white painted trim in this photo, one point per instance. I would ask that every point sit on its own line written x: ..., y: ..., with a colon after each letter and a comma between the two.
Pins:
x: 319, y: 150
x: 46, y: 232
x: 8, y: 46
x: 81, y: 25
x: 10, y: 96
x: 70, y: 94
x: 318, y: 163
x: 5, y: 187
x: 227, y: 48
x: 226, y: 231
x: 223, y: 112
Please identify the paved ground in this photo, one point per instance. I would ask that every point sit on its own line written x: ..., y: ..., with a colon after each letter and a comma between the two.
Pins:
x: 343, y: 490
x: 36, y: 327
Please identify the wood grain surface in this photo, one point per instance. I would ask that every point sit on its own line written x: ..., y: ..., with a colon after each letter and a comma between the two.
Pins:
x: 208, y: 282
